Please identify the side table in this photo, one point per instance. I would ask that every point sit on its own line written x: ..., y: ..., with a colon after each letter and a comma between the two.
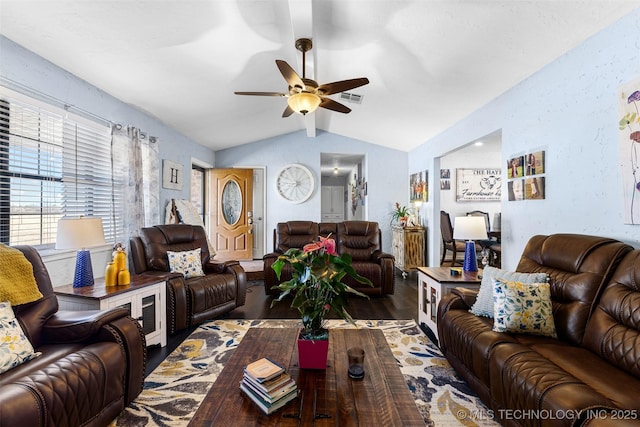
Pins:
x: 145, y: 298
x: 433, y: 283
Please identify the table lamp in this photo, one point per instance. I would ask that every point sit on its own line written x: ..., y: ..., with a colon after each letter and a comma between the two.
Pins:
x: 470, y: 228
x: 80, y: 233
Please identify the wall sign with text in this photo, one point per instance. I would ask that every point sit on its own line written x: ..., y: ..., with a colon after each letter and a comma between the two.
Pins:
x: 478, y: 185
x: 172, y: 175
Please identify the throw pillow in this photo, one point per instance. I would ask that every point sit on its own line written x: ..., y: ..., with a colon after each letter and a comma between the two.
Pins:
x: 15, y: 348
x: 186, y: 262
x: 484, y: 301
x: 523, y: 308
x: 17, y: 284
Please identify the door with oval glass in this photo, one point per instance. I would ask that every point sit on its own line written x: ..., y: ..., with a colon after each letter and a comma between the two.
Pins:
x: 231, y: 229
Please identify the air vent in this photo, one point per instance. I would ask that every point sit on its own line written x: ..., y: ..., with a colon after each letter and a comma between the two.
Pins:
x: 351, y: 97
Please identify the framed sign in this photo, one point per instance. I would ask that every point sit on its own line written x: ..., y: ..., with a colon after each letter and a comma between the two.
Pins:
x: 172, y: 175
x: 478, y: 185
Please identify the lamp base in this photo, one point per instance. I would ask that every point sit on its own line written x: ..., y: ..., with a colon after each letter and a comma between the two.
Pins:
x: 470, y: 260
x: 84, y: 272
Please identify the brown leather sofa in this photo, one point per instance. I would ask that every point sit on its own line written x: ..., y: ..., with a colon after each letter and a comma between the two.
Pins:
x: 360, y: 239
x: 197, y: 299
x: 590, y: 374
x: 92, y: 363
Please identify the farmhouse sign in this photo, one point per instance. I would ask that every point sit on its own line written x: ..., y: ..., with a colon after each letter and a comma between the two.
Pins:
x: 478, y: 185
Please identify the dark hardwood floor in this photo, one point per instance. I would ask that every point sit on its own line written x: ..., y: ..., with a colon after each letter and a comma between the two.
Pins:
x: 403, y: 304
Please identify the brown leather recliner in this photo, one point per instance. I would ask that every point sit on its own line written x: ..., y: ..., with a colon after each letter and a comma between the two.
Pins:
x: 361, y: 239
x: 590, y: 370
x: 92, y: 363
x: 194, y: 300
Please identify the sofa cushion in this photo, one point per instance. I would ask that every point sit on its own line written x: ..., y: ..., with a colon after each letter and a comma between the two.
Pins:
x: 15, y: 348
x: 484, y: 302
x: 578, y: 266
x: 186, y: 262
x: 613, y: 332
x: 523, y: 308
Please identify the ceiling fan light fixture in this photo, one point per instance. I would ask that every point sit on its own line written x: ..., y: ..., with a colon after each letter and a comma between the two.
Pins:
x: 304, y: 102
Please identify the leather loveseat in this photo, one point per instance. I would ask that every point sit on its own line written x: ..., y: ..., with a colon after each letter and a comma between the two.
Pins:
x: 197, y: 299
x: 590, y: 374
x: 360, y: 239
x: 91, y: 365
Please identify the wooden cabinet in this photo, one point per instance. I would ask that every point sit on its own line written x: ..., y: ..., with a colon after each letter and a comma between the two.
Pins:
x: 433, y: 284
x: 408, y: 248
x: 332, y: 203
x: 144, y: 298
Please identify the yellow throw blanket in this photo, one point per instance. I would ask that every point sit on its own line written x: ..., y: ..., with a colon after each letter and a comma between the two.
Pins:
x: 17, y: 284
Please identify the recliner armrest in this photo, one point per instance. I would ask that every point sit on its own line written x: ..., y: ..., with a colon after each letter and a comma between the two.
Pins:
x: 218, y: 266
x: 78, y: 326
x: 378, y: 256
x: 467, y: 296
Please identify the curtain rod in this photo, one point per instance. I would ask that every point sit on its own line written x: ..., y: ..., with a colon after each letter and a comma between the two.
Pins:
x: 19, y: 87
x: 25, y: 90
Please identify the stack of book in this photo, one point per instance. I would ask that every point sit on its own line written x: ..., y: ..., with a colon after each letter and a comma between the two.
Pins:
x: 267, y: 385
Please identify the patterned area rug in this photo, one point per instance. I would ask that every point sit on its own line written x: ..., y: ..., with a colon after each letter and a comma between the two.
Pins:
x: 173, y: 392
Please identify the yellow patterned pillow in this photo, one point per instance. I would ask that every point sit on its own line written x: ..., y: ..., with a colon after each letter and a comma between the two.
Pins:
x: 188, y: 263
x: 523, y: 308
x: 17, y: 284
x: 15, y: 348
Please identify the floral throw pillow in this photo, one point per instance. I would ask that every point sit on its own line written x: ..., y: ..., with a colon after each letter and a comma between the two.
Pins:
x: 15, y: 348
x: 187, y: 262
x: 484, y: 302
x: 523, y: 308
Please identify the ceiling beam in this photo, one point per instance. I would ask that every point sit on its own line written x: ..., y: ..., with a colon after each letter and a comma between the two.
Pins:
x: 302, y: 25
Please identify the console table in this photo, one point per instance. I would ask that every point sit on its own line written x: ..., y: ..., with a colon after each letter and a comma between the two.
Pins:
x: 408, y: 248
x: 327, y: 397
x: 145, y: 298
x: 433, y: 283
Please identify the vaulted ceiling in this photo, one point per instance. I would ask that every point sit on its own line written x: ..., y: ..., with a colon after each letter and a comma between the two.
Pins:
x: 429, y: 62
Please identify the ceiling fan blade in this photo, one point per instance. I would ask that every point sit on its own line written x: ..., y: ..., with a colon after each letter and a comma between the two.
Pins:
x: 341, y: 86
x: 289, y: 74
x: 261, y: 93
x: 330, y: 104
x: 288, y: 111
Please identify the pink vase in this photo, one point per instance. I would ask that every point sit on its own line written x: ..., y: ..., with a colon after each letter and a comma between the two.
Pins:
x: 312, y: 354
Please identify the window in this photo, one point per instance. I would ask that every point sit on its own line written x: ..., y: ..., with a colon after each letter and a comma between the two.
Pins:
x: 52, y: 164
x: 197, y: 189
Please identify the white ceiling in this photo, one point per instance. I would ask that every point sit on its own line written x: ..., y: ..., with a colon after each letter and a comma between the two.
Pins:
x: 430, y: 62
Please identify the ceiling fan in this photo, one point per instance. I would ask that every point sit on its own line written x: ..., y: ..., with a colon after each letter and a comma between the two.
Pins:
x: 305, y: 95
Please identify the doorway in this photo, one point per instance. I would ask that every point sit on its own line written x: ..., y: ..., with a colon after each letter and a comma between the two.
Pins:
x: 341, y: 181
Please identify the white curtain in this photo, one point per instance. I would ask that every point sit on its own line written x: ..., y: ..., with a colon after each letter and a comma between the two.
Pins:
x: 135, y: 181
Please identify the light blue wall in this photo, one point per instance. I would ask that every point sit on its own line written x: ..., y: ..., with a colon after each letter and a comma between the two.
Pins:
x: 569, y: 108
x: 385, y: 170
x: 30, y: 70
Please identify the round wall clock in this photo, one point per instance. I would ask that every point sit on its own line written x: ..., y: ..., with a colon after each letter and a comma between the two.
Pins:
x: 295, y: 183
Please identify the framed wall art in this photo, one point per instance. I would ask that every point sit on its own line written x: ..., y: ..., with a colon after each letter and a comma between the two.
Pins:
x: 629, y: 127
x: 172, y: 175
x: 478, y: 185
x: 418, y: 187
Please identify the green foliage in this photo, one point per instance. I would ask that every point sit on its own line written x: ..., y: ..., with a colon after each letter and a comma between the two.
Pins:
x: 316, y: 285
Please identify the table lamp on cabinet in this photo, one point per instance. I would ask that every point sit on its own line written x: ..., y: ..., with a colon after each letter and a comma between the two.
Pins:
x: 80, y: 233
x: 470, y: 228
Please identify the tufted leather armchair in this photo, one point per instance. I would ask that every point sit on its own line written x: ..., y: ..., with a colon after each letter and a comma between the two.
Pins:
x: 592, y: 365
x: 361, y: 239
x: 197, y: 299
x: 92, y: 363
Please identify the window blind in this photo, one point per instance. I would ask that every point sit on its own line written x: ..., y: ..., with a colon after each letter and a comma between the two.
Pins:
x: 52, y: 164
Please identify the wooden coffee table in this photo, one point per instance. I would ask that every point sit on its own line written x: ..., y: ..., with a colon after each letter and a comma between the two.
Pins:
x: 327, y: 397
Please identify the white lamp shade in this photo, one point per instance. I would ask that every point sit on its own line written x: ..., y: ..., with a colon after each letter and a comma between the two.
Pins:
x: 304, y: 102
x: 469, y: 228
x: 78, y: 233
